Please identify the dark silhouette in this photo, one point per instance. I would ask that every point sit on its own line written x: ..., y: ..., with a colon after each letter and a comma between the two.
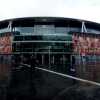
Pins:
x: 21, y: 85
x: 73, y: 69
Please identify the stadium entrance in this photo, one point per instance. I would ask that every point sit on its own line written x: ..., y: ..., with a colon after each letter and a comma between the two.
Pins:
x: 51, y: 54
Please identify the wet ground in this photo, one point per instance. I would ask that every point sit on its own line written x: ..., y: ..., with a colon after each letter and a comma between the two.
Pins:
x: 47, y: 86
x: 60, y: 88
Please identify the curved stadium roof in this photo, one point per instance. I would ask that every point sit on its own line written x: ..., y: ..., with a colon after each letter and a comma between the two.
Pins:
x: 57, y: 21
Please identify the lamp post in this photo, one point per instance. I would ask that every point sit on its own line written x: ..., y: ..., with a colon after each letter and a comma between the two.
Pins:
x: 49, y: 57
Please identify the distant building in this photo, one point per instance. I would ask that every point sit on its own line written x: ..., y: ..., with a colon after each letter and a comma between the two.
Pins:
x: 53, y: 41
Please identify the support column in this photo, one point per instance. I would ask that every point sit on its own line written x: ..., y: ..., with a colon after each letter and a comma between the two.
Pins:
x: 10, y: 26
x: 83, y: 27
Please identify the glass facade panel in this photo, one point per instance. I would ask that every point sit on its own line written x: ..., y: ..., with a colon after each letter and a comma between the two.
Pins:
x: 43, y: 38
x: 25, y: 30
x: 52, y: 50
x: 62, y: 30
x: 44, y: 29
x: 42, y: 47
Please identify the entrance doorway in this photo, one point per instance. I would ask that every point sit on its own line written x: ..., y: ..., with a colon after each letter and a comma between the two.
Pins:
x: 53, y: 55
x: 59, y: 62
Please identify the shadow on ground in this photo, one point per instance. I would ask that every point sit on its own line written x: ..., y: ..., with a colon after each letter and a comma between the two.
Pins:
x: 46, y: 86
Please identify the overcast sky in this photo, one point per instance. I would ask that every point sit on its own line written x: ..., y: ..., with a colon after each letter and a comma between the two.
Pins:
x: 82, y: 9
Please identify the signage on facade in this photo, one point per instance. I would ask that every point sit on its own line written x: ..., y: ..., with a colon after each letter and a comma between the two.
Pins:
x: 5, y: 44
x: 86, y: 44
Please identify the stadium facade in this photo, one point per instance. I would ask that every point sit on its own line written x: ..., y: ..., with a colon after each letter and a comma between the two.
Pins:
x: 54, y: 42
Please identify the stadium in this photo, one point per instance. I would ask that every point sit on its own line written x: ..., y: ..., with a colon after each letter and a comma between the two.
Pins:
x: 63, y: 45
